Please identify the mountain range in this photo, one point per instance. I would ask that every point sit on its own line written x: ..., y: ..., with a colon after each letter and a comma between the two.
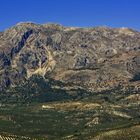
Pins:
x: 53, y: 76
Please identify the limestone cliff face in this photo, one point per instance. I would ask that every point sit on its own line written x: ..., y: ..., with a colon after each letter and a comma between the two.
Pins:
x: 97, y: 57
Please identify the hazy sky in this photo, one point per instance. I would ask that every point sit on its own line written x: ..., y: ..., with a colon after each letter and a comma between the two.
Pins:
x: 84, y: 13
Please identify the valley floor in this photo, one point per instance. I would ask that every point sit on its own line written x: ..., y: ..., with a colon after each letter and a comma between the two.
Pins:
x: 70, y: 120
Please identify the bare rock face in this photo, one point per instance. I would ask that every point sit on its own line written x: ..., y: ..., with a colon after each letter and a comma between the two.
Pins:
x: 96, y: 58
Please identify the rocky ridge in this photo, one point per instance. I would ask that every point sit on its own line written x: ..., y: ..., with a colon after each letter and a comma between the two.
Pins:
x: 95, y: 58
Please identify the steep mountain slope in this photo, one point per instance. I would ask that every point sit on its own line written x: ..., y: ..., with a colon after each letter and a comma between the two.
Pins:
x: 95, y: 58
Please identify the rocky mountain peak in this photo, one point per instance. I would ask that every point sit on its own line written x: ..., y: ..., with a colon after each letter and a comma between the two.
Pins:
x: 86, y: 56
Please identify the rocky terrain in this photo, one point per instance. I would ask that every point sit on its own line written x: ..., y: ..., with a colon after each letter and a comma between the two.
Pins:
x: 52, y: 77
x: 95, y: 57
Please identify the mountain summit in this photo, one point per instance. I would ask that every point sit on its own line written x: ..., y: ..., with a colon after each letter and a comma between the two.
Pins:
x: 98, y: 57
